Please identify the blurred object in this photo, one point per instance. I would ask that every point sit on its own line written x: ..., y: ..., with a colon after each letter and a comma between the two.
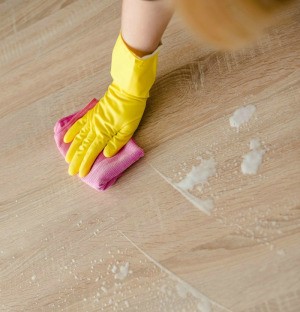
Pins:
x: 230, y: 24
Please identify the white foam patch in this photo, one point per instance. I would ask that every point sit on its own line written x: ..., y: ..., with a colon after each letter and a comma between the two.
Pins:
x: 241, y: 116
x: 198, y: 175
x: 252, y: 160
x: 123, y: 271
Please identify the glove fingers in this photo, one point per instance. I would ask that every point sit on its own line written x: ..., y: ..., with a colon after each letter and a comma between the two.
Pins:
x: 94, y: 150
x: 116, y: 143
x: 80, y: 153
x: 79, y: 138
x: 74, y: 130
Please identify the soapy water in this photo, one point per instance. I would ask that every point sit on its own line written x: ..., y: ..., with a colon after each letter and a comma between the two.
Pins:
x: 198, y: 175
x: 252, y: 160
x: 241, y: 116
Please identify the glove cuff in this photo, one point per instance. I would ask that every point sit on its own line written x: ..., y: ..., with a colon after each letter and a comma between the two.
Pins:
x: 130, y: 73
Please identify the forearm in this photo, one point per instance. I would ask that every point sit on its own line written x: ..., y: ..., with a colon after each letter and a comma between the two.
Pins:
x: 143, y: 24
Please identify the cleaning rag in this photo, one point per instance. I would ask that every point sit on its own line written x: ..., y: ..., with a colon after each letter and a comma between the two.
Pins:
x: 105, y: 171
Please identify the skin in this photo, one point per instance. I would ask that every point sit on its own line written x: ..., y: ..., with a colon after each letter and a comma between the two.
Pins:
x: 143, y: 24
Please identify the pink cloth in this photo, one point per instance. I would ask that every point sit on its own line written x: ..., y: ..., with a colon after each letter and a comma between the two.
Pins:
x: 105, y: 171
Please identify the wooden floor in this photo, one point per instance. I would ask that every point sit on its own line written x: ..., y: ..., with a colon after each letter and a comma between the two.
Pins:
x: 62, y: 244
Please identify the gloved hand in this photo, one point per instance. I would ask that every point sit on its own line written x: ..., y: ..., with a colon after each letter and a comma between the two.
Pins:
x: 111, y: 123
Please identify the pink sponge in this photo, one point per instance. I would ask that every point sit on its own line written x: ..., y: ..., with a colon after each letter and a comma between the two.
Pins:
x: 105, y: 171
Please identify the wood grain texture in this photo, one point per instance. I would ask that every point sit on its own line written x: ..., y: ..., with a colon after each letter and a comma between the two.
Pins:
x: 60, y: 240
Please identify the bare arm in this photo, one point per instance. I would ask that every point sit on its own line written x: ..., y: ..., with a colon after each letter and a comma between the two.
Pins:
x: 143, y: 24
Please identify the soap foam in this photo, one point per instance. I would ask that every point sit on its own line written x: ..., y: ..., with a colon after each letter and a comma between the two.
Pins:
x: 253, y: 159
x: 241, y: 116
x: 123, y: 271
x: 198, y: 175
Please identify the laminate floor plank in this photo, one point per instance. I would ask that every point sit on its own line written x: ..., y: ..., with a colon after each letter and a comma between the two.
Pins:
x: 148, y: 244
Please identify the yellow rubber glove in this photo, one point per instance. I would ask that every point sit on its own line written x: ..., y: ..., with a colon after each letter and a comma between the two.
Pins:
x: 110, y: 124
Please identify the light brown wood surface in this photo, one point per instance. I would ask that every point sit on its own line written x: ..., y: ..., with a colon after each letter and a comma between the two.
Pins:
x: 59, y: 239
